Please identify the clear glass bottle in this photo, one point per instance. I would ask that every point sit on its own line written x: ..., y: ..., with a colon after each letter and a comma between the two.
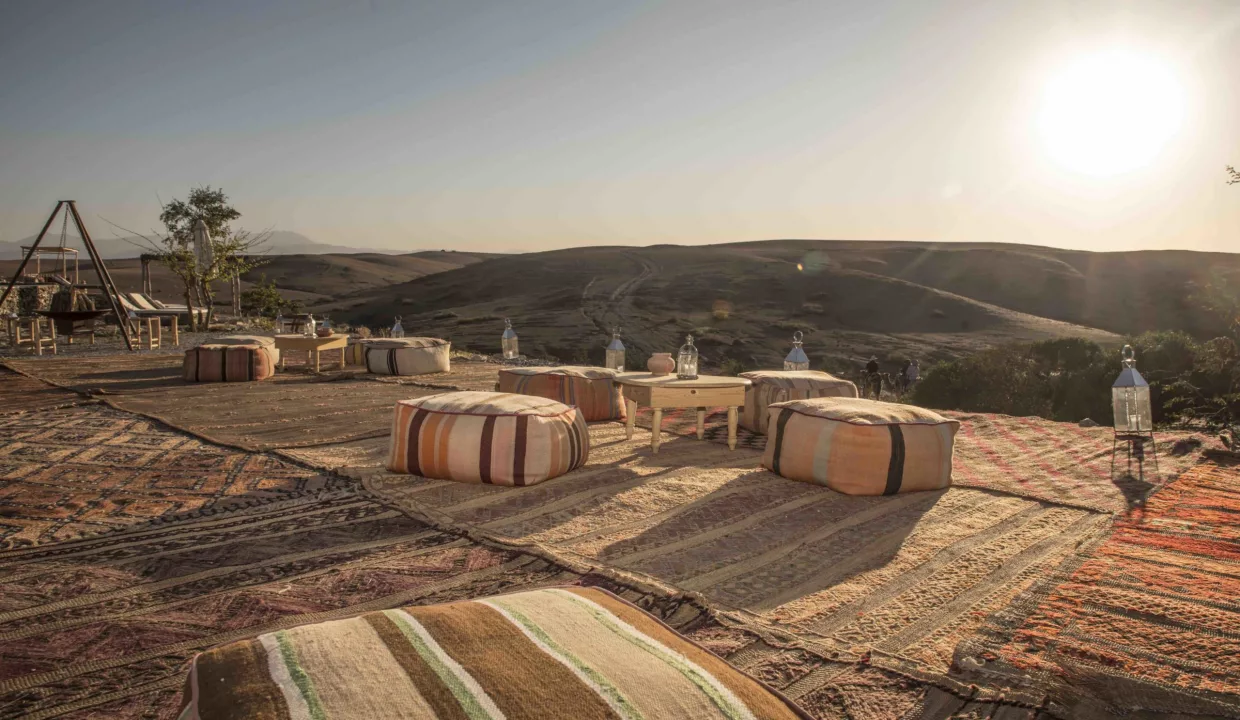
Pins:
x: 279, y: 323
x: 797, y: 359
x: 687, y: 360
x: 508, y: 342
x: 615, y: 353
x: 398, y: 331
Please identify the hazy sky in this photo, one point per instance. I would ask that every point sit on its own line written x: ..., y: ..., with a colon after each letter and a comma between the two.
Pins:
x: 531, y: 124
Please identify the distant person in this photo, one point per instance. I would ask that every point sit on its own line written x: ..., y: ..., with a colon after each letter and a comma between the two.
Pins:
x: 874, y: 381
x: 912, y: 374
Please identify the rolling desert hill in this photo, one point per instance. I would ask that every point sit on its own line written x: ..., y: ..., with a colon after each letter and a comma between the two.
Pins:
x: 742, y: 303
x: 281, y: 242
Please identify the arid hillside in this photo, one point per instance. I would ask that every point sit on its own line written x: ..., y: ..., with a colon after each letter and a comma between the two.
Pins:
x: 742, y: 303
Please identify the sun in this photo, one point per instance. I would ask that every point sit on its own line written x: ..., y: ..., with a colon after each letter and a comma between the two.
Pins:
x: 1110, y: 113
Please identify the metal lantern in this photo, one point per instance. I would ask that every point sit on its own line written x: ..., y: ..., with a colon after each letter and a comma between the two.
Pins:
x: 398, y: 330
x: 509, y: 341
x: 1130, y: 398
x: 687, y: 360
x: 615, y: 353
x: 797, y: 359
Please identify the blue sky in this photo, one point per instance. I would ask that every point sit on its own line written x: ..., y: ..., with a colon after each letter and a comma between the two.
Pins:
x: 533, y: 125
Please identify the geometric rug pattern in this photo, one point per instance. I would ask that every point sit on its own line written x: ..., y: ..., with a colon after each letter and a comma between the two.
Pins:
x: 87, y: 469
x: 1146, y: 621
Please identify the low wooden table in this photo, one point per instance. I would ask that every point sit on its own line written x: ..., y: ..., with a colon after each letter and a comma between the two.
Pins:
x: 312, y: 345
x: 667, y: 391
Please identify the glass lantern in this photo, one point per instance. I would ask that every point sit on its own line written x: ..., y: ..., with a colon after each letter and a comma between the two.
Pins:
x: 509, y: 341
x: 797, y: 359
x: 308, y: 328
x: 687, y: 360
x: 398, y: 330
x: 1130, y: 398
x: 615, y: 353
x: 279, y: 323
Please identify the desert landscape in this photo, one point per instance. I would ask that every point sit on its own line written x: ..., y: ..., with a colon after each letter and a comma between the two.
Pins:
x: 620, y: 361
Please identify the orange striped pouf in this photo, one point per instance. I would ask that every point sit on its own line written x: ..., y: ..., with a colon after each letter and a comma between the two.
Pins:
x: 228, y: 363
x: 860, y: 447
x: 487, y: 437
x: 592, y: 389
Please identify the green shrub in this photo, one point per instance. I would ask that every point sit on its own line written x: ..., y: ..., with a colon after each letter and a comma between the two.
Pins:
x: 265, y: 300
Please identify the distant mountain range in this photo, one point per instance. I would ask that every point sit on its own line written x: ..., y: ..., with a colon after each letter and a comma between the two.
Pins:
x: 282, y: 242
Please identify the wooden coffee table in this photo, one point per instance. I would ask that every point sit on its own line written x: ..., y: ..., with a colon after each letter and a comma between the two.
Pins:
x: 667, y: 391
x: 312, y: 345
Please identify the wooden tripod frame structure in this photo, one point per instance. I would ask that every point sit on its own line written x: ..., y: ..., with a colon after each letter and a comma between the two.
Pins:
x: 105, y: 278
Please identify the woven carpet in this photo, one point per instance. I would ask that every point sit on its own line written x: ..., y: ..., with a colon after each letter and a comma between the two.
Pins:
x: 103, y: 627
x: 89, y: 468
x: 1147, y: 621
x: 19, y: 394
x: 896, y: 580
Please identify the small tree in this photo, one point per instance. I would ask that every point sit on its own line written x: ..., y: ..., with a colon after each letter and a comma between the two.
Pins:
x: 232, y: 251
x: 265, y: 300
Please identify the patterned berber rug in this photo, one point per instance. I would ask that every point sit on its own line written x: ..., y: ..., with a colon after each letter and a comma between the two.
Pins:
x: 1144, y: 623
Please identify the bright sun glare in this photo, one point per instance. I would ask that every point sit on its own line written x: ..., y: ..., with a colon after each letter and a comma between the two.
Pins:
x: 1110, y: 113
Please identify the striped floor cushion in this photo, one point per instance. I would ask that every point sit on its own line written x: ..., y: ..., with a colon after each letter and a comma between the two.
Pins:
x: 355, y: 351
x: 860, y: 447
x: 591, y: 389
x: 406, y: 356
x: 487, y: 437
x: 774, y: 386
x: 228, y: 363
x: 264, y: 340
x: 569, y: 652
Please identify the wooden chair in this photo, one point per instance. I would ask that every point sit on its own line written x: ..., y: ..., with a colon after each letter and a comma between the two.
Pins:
x: 35, y: 331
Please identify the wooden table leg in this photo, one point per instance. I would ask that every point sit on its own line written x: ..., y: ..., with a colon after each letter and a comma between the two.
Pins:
x: 656, y: 429
x: 732, y: 428
x: 158, y: 333
x: 701, y: 418
x: 176, y: 333
x: 342, y: 358
x: 283, y: 355
x: 36, y: 332
x: 630, y: 410
x: 316, y: 359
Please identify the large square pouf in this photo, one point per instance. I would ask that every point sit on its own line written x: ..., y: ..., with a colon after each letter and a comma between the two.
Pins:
x: 560, y: 652
x: 487, y: 437
x: 407, y: 356
x: 860, y: 447
x: 266, y: 341
x: 591, y: 389
x: 774, y: 386
x: 228, y: 363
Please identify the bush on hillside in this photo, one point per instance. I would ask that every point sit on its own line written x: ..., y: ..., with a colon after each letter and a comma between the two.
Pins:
x: 265, y: 300
x: 1070, y: 379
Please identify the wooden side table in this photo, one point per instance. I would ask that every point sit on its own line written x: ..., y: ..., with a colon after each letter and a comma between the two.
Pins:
x: 312, y: 345
x: 660, y: 392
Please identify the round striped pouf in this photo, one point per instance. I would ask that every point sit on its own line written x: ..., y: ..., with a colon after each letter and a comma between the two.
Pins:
x: 860, y: 447
x: 487, y: 437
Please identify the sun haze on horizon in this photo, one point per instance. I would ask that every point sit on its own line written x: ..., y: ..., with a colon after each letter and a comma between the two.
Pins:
x: 497, y: 126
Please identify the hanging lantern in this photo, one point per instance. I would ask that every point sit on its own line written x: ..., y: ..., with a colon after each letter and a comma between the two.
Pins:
x: 797, y: 359
x: 1130, y: 398
x: 509, y: 341
x: 398, y: 331
x: 687, y: 360
x: 615, y: 353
